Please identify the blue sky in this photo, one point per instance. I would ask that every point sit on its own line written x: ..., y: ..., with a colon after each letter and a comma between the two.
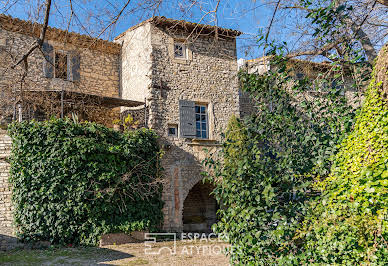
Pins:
x: 244, y: 15
x: 248, y: 16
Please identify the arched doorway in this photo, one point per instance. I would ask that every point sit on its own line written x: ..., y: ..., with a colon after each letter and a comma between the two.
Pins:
x: 199, y: 209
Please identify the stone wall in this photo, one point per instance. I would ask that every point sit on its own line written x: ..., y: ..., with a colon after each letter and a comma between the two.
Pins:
x: 7, y: 239
x: 99, y: 72
x: 208, y: 76
x: 247, y: 104
x: 139, y: 116
x: 136, y: 64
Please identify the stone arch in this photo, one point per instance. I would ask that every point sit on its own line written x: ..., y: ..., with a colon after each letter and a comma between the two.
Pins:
x: 199, y: 208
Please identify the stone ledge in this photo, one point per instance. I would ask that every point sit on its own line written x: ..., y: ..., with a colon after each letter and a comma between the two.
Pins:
x: 204, y: 142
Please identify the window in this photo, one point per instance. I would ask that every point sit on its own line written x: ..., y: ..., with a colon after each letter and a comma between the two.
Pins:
x: 60, y: 64
x: 299, y: 75
x: 173, y: 130
x: 201, y: 123
x: 179, y: 50
x: 193, y: 120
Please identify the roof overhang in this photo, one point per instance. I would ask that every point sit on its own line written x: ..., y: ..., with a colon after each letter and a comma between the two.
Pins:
x: 191, y: 27
x: 89, y: 99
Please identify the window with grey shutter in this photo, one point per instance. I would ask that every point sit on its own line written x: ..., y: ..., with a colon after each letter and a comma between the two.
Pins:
x: 73, y: 67
x: 187, y: 118
x: 48, y: 62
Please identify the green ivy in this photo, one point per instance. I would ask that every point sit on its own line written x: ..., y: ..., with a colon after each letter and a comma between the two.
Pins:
x: 348, y: 224
x: 271, y: 160
x: 73, y: 182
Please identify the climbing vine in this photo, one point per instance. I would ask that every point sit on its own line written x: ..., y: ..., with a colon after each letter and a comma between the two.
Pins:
x: 348, y: 223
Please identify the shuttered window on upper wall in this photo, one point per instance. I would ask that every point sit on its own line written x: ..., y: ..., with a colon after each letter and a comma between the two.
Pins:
x: 187, y: 119
x: 60, y: 64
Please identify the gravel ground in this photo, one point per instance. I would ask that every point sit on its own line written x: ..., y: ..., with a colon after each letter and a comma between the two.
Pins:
x: 161, y: 253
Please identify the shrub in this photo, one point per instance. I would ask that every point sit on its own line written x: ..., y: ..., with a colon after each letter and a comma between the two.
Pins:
x: 73, y: 182
x: 271, y: 159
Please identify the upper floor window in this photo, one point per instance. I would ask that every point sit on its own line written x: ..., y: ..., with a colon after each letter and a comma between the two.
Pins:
x: 179, y: 50
x: 60, y: 63
x: 194, y: 122
x: 201, y: 121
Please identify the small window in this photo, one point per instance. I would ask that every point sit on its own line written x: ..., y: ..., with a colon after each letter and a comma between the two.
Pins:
x: 201, y: 121
x: 179, y: 50
x: 173, y: 130
x: 60, y: 65
x: 299, y: 75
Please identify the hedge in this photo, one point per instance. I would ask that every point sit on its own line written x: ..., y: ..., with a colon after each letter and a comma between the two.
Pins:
x: 74, y: 182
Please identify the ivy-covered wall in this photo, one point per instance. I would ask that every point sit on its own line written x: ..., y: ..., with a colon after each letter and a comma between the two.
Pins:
x: 73, y: 182
x: 349, y: 222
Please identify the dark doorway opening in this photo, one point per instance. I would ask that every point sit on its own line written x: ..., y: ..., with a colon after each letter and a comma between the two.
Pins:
x: 200, y: 209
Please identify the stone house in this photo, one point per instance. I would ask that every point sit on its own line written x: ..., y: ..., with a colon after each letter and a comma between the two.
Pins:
x: 178, y: 78
x: 82, y: 67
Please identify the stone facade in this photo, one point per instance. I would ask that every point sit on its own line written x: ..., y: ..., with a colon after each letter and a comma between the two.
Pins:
x: 98, y: 71
x: 145, y: 68
x: 92, y: 69
x: 206, y: 76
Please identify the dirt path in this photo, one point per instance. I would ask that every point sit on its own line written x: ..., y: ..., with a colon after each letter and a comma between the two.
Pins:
x: 162, y: 253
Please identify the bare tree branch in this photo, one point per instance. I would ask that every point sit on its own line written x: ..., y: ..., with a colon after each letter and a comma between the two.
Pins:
x: 39, y: 42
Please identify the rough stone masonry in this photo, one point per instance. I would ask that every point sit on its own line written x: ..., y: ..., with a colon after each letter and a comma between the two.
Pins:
x: 7, y: 239
x: 185, y: 72
x: 205, y: 75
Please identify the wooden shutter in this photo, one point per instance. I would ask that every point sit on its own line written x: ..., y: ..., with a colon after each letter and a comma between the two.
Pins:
x: 73, y: 67
x: 48, y: 62
x: 187, y: 119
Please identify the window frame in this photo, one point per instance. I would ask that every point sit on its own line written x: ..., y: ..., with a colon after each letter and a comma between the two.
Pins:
x: 175, y: 127
x: 201, y: 114
x: 66, y: 55
x: 184, y: 50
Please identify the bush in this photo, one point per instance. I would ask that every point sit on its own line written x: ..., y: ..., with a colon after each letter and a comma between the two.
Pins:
x: 271, y: 159
x: 73, y: 182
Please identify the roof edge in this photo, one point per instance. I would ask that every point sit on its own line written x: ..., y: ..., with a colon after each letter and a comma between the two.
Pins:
x: 30, y: 28
x: 186, y: 25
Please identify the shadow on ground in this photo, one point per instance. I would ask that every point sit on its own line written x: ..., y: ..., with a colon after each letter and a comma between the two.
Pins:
x: 62, y: 256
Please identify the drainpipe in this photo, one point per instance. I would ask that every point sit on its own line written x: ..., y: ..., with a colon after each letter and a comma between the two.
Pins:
x: 145, y: 113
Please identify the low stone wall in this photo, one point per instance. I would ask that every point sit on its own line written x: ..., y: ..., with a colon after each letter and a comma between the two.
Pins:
x: 139, y: 115
x: 7, y: 239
